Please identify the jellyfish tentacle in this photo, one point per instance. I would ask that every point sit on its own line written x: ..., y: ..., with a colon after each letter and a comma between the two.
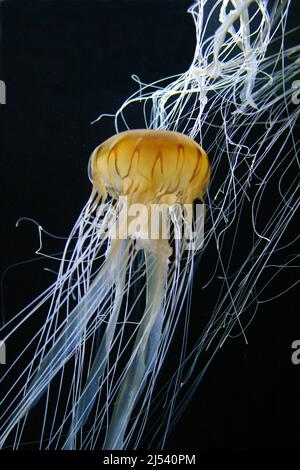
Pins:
x: 143, y: 358
x: 89, y: 394
x: 67, y: 342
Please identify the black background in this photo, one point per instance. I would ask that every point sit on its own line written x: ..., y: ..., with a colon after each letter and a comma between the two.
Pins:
x: 64, y: 63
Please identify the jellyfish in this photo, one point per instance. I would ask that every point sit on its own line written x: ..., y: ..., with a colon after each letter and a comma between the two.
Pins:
x: 147, y: 170
x: 94, y: 374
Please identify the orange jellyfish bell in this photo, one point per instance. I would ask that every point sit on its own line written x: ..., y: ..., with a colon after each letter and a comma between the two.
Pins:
x: 150, y: 166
